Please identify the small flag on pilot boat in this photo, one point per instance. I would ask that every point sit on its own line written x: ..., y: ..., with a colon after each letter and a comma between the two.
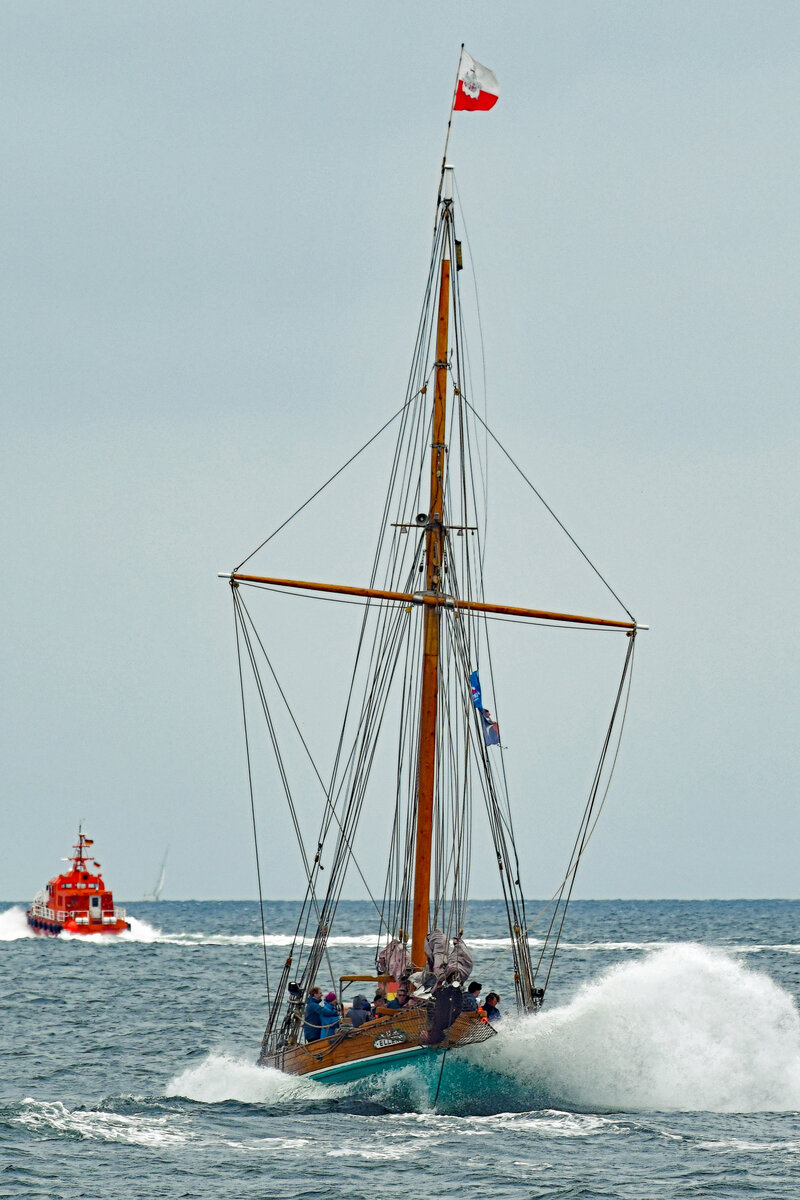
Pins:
x: 491, y: 732
x: 477, y: 89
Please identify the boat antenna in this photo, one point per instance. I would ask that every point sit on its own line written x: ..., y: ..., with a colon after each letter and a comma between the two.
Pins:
x: 449, y: 123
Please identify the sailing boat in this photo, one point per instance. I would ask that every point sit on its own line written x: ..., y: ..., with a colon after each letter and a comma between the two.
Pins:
x: 414, y: 698
x: 155, y: 895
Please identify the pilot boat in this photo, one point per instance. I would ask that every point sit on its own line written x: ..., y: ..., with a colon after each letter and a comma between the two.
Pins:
x: 77, y: 901
x: 416, y: 747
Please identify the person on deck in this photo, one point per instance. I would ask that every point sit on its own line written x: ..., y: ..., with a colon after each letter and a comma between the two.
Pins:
x: 401, y: 999
x: 312, y: 1026
x: 470, y: 1001
x: 447, y: 1006
x: 360, y: 1011
x: 493, y: 1013
x: 330, y: 1016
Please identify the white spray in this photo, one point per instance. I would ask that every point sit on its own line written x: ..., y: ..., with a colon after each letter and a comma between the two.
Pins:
x: 686, y: 1028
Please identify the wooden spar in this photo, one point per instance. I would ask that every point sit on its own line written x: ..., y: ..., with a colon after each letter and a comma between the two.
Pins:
x: 432, y: 600
x: 429, y: 699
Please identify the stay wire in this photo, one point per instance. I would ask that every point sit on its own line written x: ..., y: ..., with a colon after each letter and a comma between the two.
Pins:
x: 574, y: 863
x: 252, y: 801
x: 310, y: 897
x: 541, y: 498
x: 309, y: 755
x: 335, y: 475
x: 587, y: 829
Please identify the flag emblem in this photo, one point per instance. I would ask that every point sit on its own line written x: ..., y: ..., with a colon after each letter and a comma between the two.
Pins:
x: 477, y: 89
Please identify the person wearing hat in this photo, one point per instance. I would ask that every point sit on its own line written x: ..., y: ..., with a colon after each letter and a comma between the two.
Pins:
x: 330, y: 1016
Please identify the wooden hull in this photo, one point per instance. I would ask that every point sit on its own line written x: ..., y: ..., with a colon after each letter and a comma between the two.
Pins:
x: 376, y: 1046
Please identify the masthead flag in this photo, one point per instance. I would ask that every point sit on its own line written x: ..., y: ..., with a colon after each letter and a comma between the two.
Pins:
x: 477, y: 89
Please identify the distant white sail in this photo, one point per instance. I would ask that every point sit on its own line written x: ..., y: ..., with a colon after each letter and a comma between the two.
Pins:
x: 155, y: 895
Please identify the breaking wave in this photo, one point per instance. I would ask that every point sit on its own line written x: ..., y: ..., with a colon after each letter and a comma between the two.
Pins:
x: 686, y: 1028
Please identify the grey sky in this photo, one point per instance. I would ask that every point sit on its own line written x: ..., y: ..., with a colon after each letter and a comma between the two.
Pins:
x: 216, y: 221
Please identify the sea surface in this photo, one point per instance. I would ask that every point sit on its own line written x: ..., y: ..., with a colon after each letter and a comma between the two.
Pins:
x: 666, y: 1063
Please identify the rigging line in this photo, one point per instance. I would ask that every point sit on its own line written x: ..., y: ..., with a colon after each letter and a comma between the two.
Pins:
x: 540, y: 497
x: 495, y: 816
x: 362, y: 764
x: 387, y: 503
x: 587, y: 829
x: 314, y: 495
x: 304, y: 744
x: 252, y: 799
x: 590, y: 806
x: 326, y: 599
x: 393, y: 900
x: 571, y: 868
x: 507, y: 817
x: 441, y: 1073
x: 381, y: 639
x: 564, y: 628
x: 485, y: 465
x: 616, y: 752
x: 310, y: 896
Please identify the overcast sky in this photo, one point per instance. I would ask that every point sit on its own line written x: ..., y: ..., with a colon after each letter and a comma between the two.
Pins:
x: 216, y: 220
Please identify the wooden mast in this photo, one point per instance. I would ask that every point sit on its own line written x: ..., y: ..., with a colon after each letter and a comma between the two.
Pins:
x: 434, y: 556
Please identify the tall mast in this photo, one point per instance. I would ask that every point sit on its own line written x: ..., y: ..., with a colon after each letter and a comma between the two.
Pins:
x: 434, y: 556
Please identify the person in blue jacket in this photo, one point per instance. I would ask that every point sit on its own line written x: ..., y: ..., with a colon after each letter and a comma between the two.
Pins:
x: 312, y: 1027
x: 330, y: 1016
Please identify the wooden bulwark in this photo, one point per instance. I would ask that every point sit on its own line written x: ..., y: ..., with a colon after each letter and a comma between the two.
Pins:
x: 405, y: 1031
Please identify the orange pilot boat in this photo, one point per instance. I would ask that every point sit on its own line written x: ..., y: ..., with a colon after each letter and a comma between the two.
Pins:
x: 77, y: 901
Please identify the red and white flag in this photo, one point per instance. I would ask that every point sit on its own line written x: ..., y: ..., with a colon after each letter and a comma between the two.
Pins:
x: 477, y: 89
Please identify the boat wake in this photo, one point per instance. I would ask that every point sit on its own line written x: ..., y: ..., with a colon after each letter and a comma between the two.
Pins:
x: 221, y: 1077
x: 14, y: 925
x: 685, y: 1029
x: 53, y: 1119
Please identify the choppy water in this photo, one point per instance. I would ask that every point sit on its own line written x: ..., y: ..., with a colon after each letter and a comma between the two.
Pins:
x: 665, y: 1064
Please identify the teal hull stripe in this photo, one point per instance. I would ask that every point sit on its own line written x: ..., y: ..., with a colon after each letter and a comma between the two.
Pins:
x: 367, y: 1066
